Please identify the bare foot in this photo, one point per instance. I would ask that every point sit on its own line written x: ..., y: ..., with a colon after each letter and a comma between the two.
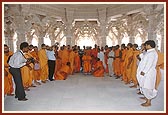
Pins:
x: 146, y: 104
x: 133, y: 86
x: 144, y: 98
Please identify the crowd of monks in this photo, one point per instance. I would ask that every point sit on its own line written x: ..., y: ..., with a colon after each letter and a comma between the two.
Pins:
x: 71, y: 60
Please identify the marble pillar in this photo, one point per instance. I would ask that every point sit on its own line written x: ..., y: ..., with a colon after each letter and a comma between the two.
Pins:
x: 152, y: 25
x: 20, y: 38
x: 68, y: 35
x: 163, y: 42
x: 9, y: 41
x: 103, y: 34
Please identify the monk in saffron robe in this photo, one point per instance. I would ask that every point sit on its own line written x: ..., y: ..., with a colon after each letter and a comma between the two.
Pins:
x: 71, y: 60
x: 27, y: 73
x: 123, y: 52
x: 65, y: 56
x: 36, y: 69
x: 8, y: 85
x: 63, y: 72
x: 94, y: 53
x: 43, y: 60
x: 134, y: 66
x: 117, y: 69
x: 58, y: 64
x: 86, y: 63
x: 160, y: 65
x: 31, y: 78
x: 128, y: 63
x: 77, y: 62
x: 98, y: 69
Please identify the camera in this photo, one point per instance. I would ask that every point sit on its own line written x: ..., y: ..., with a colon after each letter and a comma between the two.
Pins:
x: 32, y: 60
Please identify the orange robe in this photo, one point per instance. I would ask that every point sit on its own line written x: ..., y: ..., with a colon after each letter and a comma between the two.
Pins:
x: 134, y: 67
x: 8, y: 84
x: 160, y: 65
x: 94, y: 53
x: 87, y: 63
x: 98, y: 69
x: 77, y: 63
x: 62, y: 73
x: 43, y: 60
x: 122, y: 61
x: 36, y: 72
x: 128, y: 64
x: 117, y: 69
x: 27, y: 73
x: 65, y: 56
x: 58, y: 62
x: 71, y: 60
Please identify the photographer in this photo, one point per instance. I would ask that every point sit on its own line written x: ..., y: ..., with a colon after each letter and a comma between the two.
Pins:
x: 16, y: 62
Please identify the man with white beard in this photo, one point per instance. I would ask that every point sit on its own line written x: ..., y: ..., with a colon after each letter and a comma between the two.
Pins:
x: 146, y: 73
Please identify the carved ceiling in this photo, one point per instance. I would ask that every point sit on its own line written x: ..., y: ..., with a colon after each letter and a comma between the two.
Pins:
x: 94, y: 19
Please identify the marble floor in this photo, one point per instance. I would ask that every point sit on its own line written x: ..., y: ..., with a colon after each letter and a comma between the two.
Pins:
x: 84, y: 94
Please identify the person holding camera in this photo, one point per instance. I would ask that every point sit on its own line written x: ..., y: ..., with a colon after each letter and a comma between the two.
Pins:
x: 16, y: 62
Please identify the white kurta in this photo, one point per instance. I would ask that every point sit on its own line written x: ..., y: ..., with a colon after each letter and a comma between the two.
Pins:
x: 110, y: 62
x: 148, y: 66
x: 100, y: 55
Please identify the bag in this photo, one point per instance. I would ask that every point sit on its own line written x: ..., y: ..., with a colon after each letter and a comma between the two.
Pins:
x: 36, y: 66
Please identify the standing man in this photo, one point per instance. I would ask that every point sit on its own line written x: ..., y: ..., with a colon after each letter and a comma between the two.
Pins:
x: 43, y: 60
x: 51, y: 62
x: 110, y: 61
x: 100, y: 55
x: 8, y: 87
x: 146, y: 72
x: 17, y: 60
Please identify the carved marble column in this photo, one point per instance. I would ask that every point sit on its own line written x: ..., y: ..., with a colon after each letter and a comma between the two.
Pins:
x: 102, y: 16
x: 152, y: 22
x: 131, y: 39
x: 103, y: 34
x: 119, y: 40
x: 68, y: 34
x: 9, y: 41
x: 41, y: 39
x: 69, y: 13
x: 162, y: 41
x: 52, y: 38
x: 20, y: 30
x: 151, y: 28
x: 130, y: 29
x: 20, y: 37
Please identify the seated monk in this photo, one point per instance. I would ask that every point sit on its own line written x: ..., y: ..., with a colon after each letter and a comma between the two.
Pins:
x: 63, y: 72
x: 98, y: 70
